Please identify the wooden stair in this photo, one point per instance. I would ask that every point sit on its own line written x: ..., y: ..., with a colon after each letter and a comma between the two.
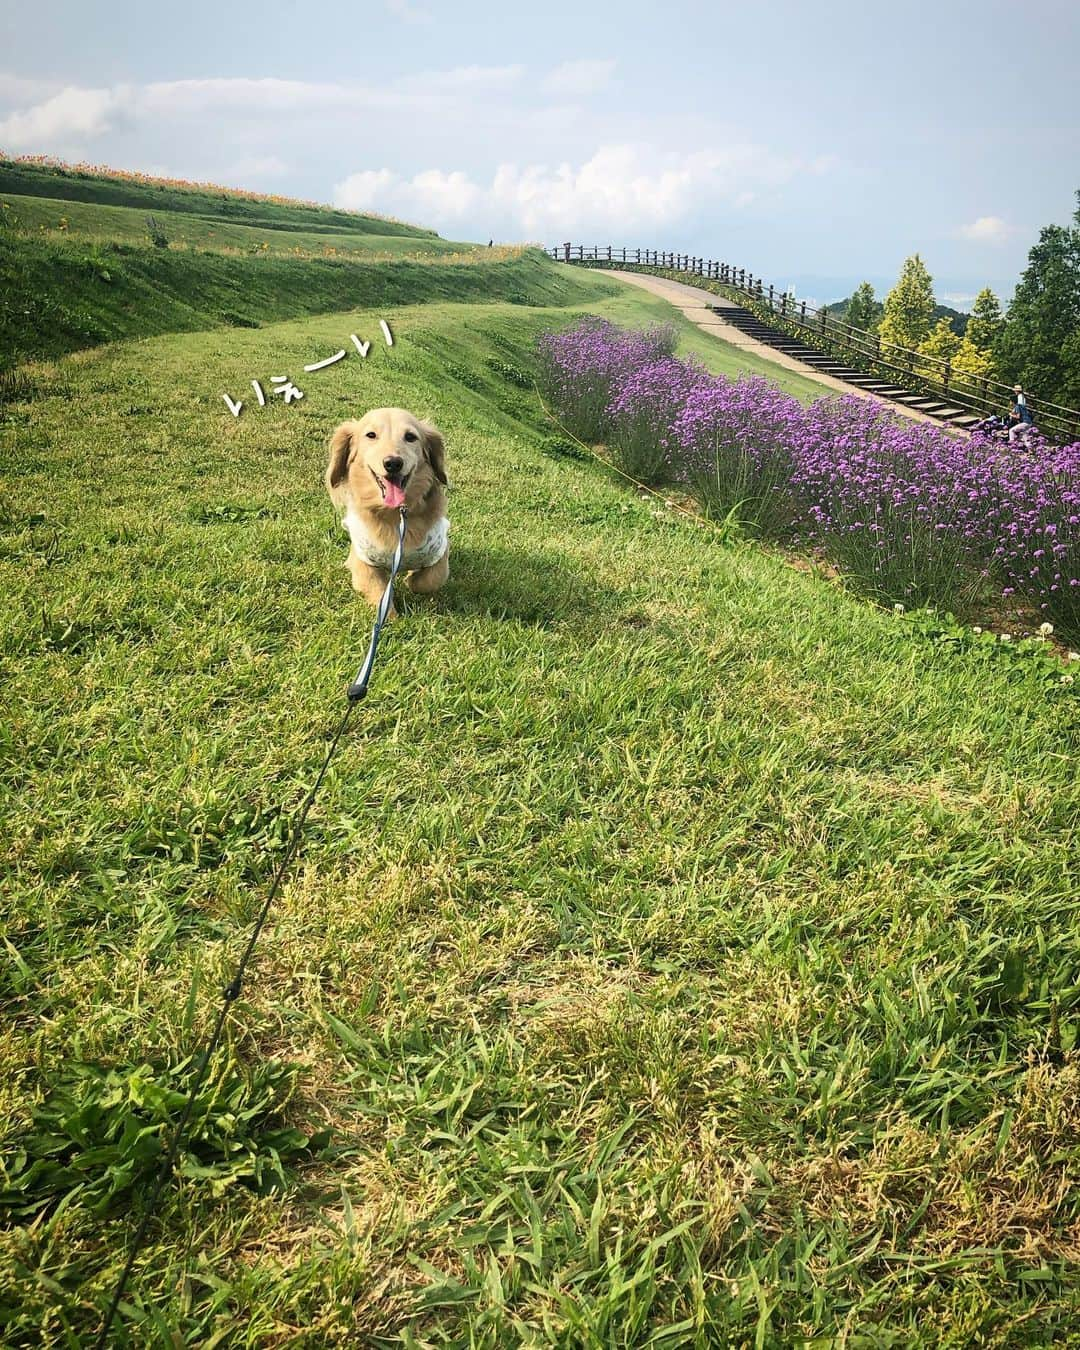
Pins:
x: 927, y: 404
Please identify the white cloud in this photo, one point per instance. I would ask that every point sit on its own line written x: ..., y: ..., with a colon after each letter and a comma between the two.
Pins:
x: 360, y: 191
x: 76, y: 115
x: 575, y: 79
x: 987, y: 230
x: 259, y: 96
x: 446, y: 197
x: 469, y: 79
x: 231, y: 129
x: 256, y: 166
x: 621, y: 189
x: 72, y: 115
x: 181, y: 96
x: 262, y: 97
x: 402, y: 9
x: 16, y: 89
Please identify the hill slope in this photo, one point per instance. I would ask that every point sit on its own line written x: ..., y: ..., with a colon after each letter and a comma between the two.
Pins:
x: 79, y: 267
x: 216, y: 204
x: 79, y: 264
x: 189, y: 229
x: 680, y: 949
x: 62, y: 295
x: 76, y: 274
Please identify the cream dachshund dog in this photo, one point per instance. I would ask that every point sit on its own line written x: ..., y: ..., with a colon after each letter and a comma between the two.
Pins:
x: 387, y: 459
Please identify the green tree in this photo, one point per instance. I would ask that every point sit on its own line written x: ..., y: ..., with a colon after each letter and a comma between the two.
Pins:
x: 862, y: 308
x: 985, y: 320
x: 909, y: 306
x: 969, y: 360
x: 941, y: 343
x: 1039, y: 342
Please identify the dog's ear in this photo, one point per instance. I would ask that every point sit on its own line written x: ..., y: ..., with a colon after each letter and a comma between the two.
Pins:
x: 435, y: 451
x: 341, y: 447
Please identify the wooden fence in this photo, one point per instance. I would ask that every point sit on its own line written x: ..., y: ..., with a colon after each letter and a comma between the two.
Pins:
x: 826, y: 333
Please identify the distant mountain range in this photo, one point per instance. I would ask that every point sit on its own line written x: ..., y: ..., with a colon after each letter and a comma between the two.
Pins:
x: 957, y: 320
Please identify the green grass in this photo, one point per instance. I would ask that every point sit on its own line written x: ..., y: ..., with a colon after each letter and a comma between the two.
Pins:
x: 59, y: 295
x: 126, y: 224
x: 72, y: 184
x: 681, y: 952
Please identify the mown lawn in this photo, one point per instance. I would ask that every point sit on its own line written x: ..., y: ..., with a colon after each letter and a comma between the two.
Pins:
x: 682, y: 952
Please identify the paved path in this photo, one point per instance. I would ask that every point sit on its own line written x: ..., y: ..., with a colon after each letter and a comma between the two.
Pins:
x: 695, y: 304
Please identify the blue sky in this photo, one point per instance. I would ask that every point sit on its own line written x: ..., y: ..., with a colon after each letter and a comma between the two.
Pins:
x: 814, y: 144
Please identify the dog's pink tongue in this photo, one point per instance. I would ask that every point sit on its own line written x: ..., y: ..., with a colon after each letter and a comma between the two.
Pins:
x: 394, y: 496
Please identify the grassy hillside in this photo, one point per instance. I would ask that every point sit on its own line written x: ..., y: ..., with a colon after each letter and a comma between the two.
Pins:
x: 112, y: 188
x: 681, y: 953
x: 185, y: 229
x: 62, y: 295
x: 78, y: 266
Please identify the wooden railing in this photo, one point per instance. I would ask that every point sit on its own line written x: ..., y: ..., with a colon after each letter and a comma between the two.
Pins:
x: 865, y: 351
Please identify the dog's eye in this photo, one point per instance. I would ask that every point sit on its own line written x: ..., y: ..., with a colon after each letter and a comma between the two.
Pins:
x: 410, y: 435
x: 371, y: 435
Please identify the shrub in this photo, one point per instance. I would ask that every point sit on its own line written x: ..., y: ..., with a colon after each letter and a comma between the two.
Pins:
x: 731, y: 447
x: 900, y: 507
x: 579, y: 369
x: 644, y: 405
x: 158, y: 237
x: 1037, y: 534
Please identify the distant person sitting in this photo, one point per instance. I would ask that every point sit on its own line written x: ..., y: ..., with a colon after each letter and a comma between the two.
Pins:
x: 1020, y: 418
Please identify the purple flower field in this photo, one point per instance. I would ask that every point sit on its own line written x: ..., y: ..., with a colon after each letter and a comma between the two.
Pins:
x: 909, y: 512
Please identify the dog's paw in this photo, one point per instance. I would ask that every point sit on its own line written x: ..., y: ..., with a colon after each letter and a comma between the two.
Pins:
x: 428, y: 580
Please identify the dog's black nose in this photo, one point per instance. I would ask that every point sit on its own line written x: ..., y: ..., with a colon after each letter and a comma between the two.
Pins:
x: 393, y: 463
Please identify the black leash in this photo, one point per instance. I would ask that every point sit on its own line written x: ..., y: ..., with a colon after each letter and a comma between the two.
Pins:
x: 356, y: 692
